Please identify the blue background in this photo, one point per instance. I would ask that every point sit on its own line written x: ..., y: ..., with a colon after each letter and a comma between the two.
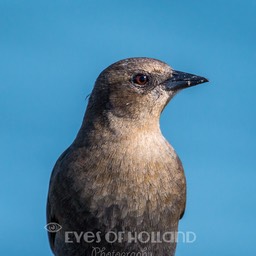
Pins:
x: 50, y: 55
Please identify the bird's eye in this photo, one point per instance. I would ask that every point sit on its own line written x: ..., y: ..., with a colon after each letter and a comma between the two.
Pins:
x: 140, y: 79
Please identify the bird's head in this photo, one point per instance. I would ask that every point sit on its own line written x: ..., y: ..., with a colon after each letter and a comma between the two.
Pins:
x: 138, y: 89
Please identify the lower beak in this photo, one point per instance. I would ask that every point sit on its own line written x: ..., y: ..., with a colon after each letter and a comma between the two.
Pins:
x: 181, y: 80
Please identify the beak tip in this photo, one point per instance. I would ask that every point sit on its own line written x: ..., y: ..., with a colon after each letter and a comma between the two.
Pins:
x: 201, y: 80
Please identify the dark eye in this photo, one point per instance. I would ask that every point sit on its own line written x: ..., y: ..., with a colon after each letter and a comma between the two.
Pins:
x: 140, y: 79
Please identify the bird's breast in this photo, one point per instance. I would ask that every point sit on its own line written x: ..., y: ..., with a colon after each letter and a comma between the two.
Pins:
x: 134, y: 179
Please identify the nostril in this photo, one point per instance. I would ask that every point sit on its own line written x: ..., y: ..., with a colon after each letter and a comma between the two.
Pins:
x: 174, y: 73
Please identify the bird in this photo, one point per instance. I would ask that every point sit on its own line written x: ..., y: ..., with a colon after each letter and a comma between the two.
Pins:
x: 120, y: 187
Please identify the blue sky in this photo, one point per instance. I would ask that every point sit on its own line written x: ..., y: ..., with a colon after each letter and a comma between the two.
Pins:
x: 51, y: 53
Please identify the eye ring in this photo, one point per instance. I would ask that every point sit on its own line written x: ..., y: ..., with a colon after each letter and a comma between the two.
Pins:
x: 140, y: 79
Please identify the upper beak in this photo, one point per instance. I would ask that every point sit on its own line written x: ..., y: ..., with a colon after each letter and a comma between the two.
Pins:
x: 181, y: 80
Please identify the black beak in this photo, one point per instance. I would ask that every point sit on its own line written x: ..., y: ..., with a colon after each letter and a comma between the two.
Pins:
x: 181, y: 80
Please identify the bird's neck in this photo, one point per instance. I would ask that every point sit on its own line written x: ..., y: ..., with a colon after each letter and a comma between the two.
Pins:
x: 111, y: 128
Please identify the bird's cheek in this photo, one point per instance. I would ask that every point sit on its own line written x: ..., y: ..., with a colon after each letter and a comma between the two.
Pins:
x: 163, y: 95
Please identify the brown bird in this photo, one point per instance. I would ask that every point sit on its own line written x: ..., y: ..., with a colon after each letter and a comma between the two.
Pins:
x: 120, y: 187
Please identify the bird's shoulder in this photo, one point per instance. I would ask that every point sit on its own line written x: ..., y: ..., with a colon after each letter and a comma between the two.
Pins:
x: 73, y: 159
